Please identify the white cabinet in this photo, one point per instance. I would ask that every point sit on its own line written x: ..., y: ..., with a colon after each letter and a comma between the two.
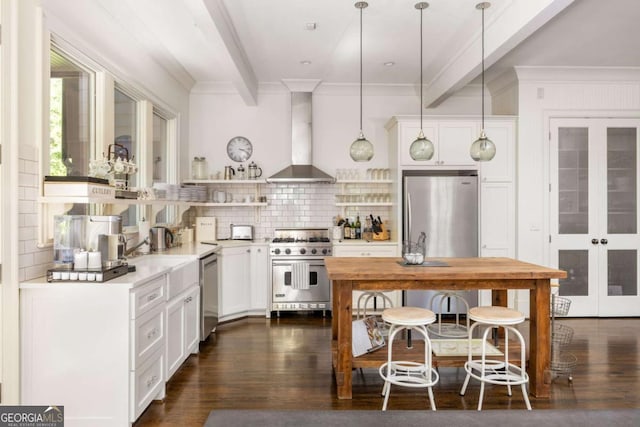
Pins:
x: 365, y: 250
x: 260, y: 271
x: 235, y: 292
x: 451, y: 138
x: 98, y: 348
x: 182, y: 311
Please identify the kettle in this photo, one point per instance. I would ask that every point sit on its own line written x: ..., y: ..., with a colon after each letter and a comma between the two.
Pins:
x: 161, y: 238
x: 242, y: 174
x: 229, y: 172
x: 253, y: 171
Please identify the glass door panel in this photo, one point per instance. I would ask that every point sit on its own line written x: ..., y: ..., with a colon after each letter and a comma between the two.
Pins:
x: 621, y: 181
x: 573, y: 176
x: 576, y: 264
x: 622, y: 272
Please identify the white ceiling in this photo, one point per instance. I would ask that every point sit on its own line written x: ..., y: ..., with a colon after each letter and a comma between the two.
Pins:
x: 247, y: 42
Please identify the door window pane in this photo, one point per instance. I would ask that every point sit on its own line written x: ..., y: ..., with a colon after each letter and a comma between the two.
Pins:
x: 125, y: 131
x: 621, y: 181
x: 576, y: 264
x: 159, y: 148
x: 573, y: 177
x: 622, y: 272
x: 70, y: 112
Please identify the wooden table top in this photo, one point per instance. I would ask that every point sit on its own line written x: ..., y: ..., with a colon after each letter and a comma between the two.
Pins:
x: 389, y: 269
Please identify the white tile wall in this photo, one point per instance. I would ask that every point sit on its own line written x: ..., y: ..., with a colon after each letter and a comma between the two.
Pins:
x: 289, y: 205
x: 33, y: 261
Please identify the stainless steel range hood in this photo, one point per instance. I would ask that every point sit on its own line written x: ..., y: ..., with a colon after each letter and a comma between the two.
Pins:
x: 301, y: 169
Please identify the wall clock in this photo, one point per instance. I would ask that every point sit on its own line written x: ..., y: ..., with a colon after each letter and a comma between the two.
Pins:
x: 239, y: 149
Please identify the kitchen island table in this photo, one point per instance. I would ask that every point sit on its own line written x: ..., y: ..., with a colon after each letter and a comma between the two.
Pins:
x: 495, y: 274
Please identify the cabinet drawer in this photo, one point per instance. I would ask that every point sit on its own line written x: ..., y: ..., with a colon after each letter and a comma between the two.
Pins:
x: 146, y: 383
x: 182, y: 277
x: 147, y: 335
x: 148, y: 296
x: 365, y: 251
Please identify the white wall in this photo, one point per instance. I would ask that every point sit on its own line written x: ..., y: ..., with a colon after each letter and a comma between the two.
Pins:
x: 218, y: 115
x: 558, y: 92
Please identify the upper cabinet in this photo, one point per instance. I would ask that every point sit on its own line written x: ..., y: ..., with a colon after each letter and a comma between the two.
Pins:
x: 452, y: 138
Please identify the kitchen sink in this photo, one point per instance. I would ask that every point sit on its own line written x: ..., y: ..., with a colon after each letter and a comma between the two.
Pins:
x: 167, y: 260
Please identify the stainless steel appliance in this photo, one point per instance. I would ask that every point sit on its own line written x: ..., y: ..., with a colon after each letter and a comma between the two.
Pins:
x: 444, y: 205
x: 299, y: 280
x: 208, y: 295
x: 241, y: 232
x: 161, y: 238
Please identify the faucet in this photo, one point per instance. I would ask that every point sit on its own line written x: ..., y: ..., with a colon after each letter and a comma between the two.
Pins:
x: 130, y: 251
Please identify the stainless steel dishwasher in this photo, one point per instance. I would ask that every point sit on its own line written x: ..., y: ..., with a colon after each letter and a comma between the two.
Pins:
x: 208, y: 295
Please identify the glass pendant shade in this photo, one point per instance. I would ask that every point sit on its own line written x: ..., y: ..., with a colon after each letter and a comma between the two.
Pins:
x: 483, y: 149
x: 421, y: 148
x: 361, y: 149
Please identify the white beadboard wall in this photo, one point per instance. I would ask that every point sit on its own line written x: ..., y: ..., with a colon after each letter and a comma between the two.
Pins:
x: 543, y: 93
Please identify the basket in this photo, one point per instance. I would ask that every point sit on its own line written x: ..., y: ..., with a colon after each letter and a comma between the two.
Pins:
x: 563, y: 362
x: 561, y: 334
x: 560, y: 305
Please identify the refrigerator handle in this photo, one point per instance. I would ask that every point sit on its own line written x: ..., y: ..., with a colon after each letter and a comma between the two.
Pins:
x: 408, y: 236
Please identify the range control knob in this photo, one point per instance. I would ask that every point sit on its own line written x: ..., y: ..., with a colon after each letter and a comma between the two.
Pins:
x: 287, y: 251
x: 324, y: 251
x: 314, y: 251
x: 303, y: 251
x: 276, y: 251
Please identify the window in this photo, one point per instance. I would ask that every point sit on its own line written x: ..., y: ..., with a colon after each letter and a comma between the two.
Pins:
x: 159, y: 154
x: 70, y: 117
x: 125, y: 145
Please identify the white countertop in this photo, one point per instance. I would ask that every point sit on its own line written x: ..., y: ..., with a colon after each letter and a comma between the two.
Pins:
x: 146, y: 269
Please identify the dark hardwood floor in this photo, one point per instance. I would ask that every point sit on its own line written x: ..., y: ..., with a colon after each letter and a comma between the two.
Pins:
x: 285, y: 363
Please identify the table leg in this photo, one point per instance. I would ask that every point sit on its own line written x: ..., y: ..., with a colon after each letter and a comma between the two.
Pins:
x: 540, y: 338
x: 344, y: 291
x: 334, y: 310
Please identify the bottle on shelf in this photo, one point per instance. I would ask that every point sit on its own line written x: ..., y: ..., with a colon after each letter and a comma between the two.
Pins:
x: 358, y: 228
x: 347, y: 229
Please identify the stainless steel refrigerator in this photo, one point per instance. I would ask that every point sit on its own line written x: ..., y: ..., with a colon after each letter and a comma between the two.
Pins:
x: 443, y: 204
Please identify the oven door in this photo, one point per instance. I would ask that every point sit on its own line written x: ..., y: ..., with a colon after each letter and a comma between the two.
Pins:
x: 300, y: 281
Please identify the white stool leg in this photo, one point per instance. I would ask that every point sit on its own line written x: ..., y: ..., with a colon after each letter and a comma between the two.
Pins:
x: 468, y: 364
x: 386, y: 388
x: 523, y: 386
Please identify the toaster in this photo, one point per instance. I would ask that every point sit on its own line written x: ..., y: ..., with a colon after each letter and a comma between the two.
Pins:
x: 241, y: 232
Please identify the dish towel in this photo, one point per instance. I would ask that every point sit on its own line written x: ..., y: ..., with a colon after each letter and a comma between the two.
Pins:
x: 300, y: 275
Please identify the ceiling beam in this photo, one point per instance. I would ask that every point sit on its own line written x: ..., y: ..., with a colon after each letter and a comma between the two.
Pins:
x: 506, y: 29
x: 245, y: 79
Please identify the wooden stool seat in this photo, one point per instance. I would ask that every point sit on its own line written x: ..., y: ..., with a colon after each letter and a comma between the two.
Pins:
x: 495, y: 315
x: 408, y: 316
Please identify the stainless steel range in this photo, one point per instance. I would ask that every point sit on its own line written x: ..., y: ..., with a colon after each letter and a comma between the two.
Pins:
x: 299, y: 280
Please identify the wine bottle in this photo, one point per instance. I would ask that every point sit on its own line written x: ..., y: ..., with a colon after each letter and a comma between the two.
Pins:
x: 358, y: 228
x: 347, y: 229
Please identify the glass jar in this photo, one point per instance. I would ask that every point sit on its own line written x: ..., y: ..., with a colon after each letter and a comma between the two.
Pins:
x: 199, y: 168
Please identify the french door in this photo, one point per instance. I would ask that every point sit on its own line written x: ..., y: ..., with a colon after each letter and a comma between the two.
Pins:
x: 594, y: 223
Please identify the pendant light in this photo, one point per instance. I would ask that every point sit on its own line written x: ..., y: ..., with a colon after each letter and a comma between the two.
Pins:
x: 483, y: 149
x: 421, y: 148
x: 361, y: 149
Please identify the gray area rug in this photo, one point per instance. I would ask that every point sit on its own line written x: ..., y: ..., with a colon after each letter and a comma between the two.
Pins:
x: 445, y: 418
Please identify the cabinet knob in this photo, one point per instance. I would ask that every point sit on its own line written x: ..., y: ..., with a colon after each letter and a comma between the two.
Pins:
x: 594, y: 241
x: 248, y: 250
x: 604, y: 241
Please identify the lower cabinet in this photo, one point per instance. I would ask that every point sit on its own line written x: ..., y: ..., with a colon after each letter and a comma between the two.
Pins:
x: 235, y: 292
x: 260, y: 270
x: 183, y: 333
x: 97, y: 349
x: 366, y: 250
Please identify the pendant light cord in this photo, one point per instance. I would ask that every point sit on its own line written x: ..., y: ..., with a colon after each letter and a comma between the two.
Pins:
x: 421, y: 100
x: 483, y: 69
x: 361, y: 71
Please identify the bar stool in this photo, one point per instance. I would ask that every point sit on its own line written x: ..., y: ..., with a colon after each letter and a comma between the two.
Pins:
x: 449, y: 330
x: 364, y: 298
x: 492, y: 371
x: 406, y: 373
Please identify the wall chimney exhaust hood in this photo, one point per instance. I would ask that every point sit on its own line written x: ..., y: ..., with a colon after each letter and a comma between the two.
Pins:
x: 301, y: 170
